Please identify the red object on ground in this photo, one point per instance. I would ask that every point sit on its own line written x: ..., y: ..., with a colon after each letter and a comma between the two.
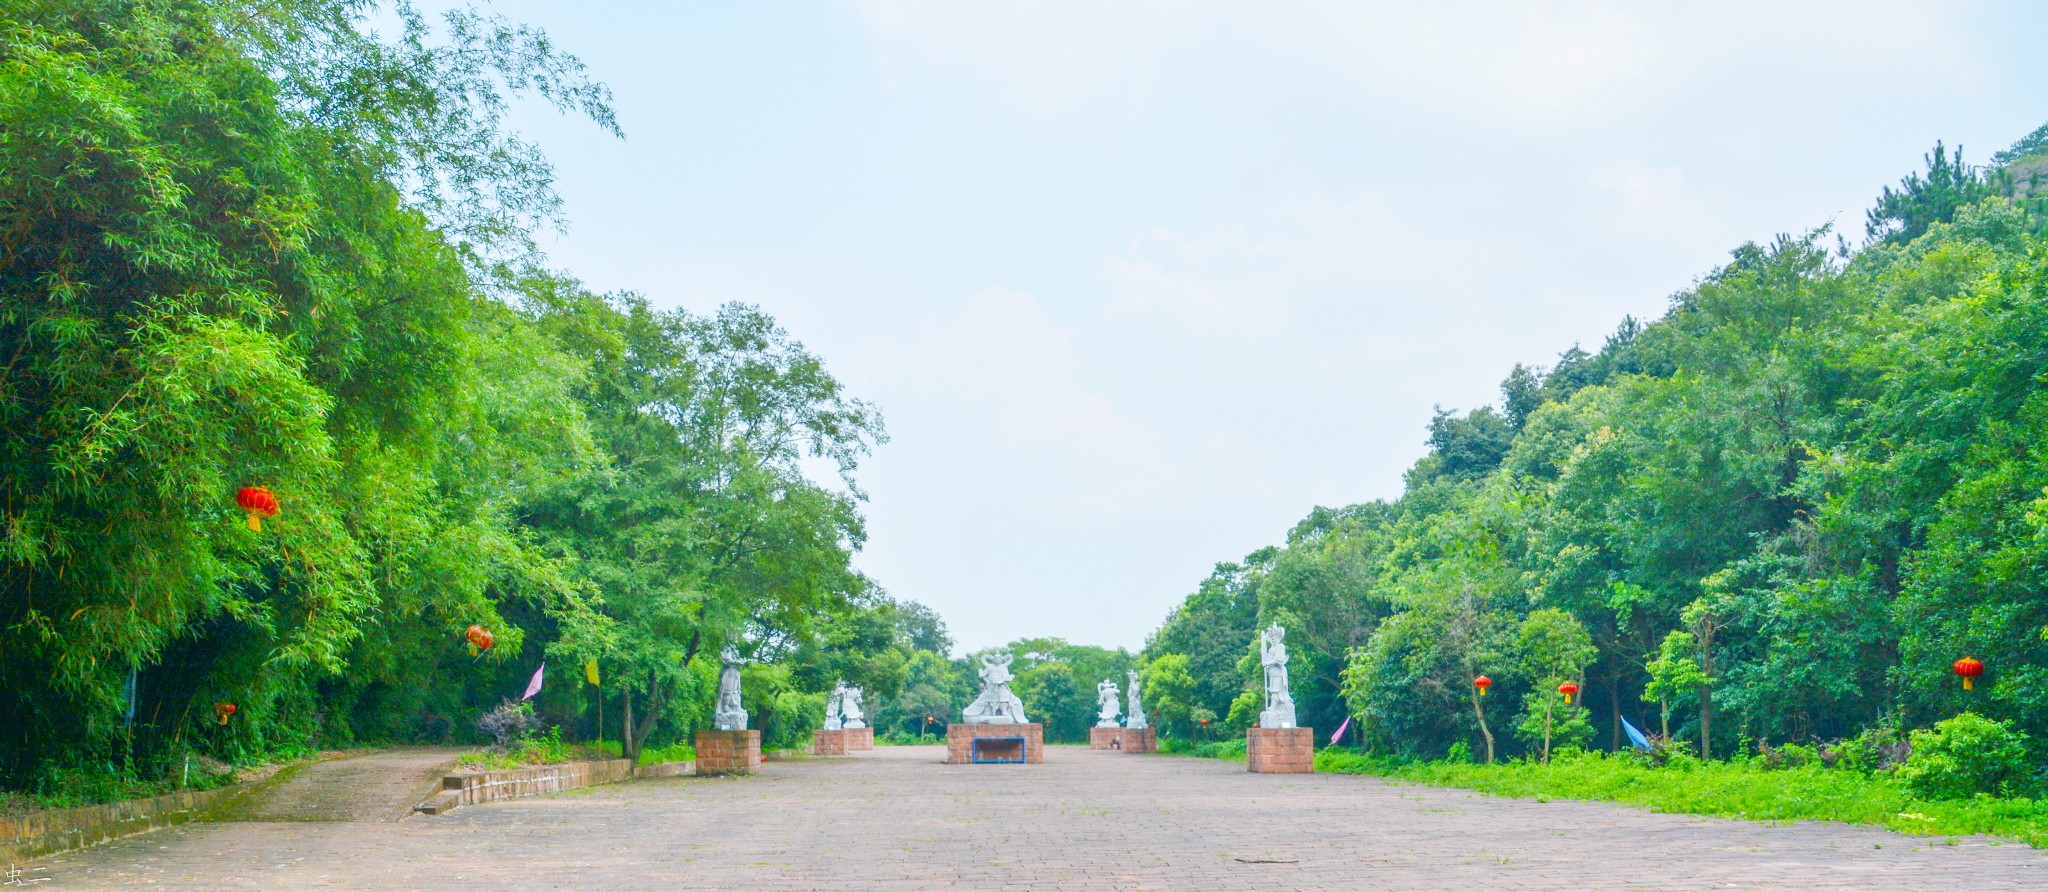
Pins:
x: 221, y: 711
x: 1968, y: 668
x: 1482, y: 683
x: 480, y: 638
x: 259, y: 502
x: 1569, y: 690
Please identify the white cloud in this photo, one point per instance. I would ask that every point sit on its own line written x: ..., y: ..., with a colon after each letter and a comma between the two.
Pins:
x: 1541, y: 65
x: 1014, y: 391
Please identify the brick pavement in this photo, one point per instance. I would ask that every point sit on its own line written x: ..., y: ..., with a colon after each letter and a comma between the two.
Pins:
x: 1085, y: 820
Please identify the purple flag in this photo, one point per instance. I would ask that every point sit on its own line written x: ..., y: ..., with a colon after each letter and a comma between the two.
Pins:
x: 1333, y: 738
x: 533, y: 687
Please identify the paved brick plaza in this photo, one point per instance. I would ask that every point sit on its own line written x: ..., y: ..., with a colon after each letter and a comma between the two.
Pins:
x: 897, y: 819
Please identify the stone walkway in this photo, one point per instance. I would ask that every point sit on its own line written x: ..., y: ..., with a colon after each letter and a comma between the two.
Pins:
x: 1085, y: 820
x: 379, y: 786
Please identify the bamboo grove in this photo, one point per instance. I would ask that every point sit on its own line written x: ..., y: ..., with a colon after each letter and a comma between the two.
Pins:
x: 253, y: 244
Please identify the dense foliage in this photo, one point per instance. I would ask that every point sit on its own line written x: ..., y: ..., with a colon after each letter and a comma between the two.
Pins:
x: 255, y: 243
x: 1777, y: 514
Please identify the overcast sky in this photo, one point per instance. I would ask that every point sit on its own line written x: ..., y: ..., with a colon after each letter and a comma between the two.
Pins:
x: 1138, y: 284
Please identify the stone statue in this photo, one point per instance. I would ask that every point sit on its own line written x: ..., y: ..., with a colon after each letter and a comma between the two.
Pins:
x: 834, y: 706
x: 1134, y: 717
x: 849, y: 710
x: 1279, y: 712
x: 728, y: 715
x: 996, y: 705
x: 1107, y: 693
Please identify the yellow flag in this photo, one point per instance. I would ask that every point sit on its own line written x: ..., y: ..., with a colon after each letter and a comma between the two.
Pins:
x: 590, y: 670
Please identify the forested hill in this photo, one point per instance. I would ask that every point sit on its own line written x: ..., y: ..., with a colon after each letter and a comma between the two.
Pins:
x: 1781, y: 512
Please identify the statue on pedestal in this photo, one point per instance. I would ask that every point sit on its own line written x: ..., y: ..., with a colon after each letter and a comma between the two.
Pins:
x: 728, y: 715
x: 833, y: 707
x: 850, y: 716
x: 996, y: 705
x: 1106, y: 692
x: 1279, y: 712
x: 1134, y: 717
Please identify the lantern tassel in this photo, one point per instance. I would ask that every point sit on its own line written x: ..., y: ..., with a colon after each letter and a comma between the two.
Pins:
x: 1966, y: 684
x: 222, y: 719
x: 1482, y: 692
x: 255, y: 522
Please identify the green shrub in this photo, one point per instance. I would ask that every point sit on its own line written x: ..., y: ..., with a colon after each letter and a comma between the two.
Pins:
x: 1222, y: 749
x: 1879, y: 748
x: 674, y: 752
x: 1967, y: 755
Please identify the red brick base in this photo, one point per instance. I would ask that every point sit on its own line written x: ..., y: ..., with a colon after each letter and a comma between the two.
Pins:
x: 858, y: 739
x: 960, y: 741
x: 831, y: 743
x: 1140, y: 740
x: 1099, y: 738
x: 728, y: 752
x: 1280, y: 750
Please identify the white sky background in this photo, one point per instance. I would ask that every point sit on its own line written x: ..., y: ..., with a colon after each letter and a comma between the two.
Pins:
x: 1138, y: 284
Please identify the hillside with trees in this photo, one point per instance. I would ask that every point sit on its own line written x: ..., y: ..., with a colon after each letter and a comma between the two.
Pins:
x: 262, y: 246
x: 1778, y: 514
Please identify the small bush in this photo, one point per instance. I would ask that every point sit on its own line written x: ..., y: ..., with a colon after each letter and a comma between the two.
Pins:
x: 1967, y: 755
x: 1460, y: 752
x: 1222, y: 749
x: 674, y: 752
x: 1791, y: 755
x: 1879, y: 748
x: 509, y: 724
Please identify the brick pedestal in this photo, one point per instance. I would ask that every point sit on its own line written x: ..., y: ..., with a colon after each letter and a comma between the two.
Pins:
x: 1280, y: 750
x: 728, y: 752
x: 858, y: 739
x: 960, y: 741
x: 1140, y: 740
x: 1100, y: 738
x: 831, y: 743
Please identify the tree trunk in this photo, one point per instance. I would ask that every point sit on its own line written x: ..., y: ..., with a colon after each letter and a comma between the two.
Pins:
x: 626, y: 736
x: 1546, y: 730
x: 1664, y: 716
x: 1479, y: 709
x: 1614, y: 702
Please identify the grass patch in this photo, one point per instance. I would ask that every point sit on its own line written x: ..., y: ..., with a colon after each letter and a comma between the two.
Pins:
x: 1724, y: 789
x: 674, y: 752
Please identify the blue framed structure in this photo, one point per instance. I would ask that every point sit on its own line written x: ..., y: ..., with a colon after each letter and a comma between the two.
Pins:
x: 999, y: 756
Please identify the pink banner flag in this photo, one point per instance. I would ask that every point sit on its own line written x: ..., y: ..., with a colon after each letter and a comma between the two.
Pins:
x: 533, y: 687
x: 1333, y: 738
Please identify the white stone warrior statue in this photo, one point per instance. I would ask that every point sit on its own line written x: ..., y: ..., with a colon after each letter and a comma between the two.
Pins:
x: 1107, y: 693
x: 834, y: 706
x: 1279, y: 712
x: 1134, y: 717
x: 996, y: 705
x: 728, y: 715
x: 850, y: 716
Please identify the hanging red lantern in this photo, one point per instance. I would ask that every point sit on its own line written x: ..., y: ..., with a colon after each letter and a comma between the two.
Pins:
x: 259, y: 502
x: 221, y: 711
x: 1482, y: 683
x: 1569, y: 690
x: 1968, y: 668
x: 479, y: 639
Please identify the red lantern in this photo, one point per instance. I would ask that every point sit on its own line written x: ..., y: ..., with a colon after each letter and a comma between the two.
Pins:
x: 479, y: 639
x: 1569, y: 690
x: 259, y: 502
x: 1482, y: 683
x: 221, y: 711
x: 1968, y: 668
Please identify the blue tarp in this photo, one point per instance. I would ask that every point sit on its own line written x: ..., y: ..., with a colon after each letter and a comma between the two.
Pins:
x: 1634, y: 736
